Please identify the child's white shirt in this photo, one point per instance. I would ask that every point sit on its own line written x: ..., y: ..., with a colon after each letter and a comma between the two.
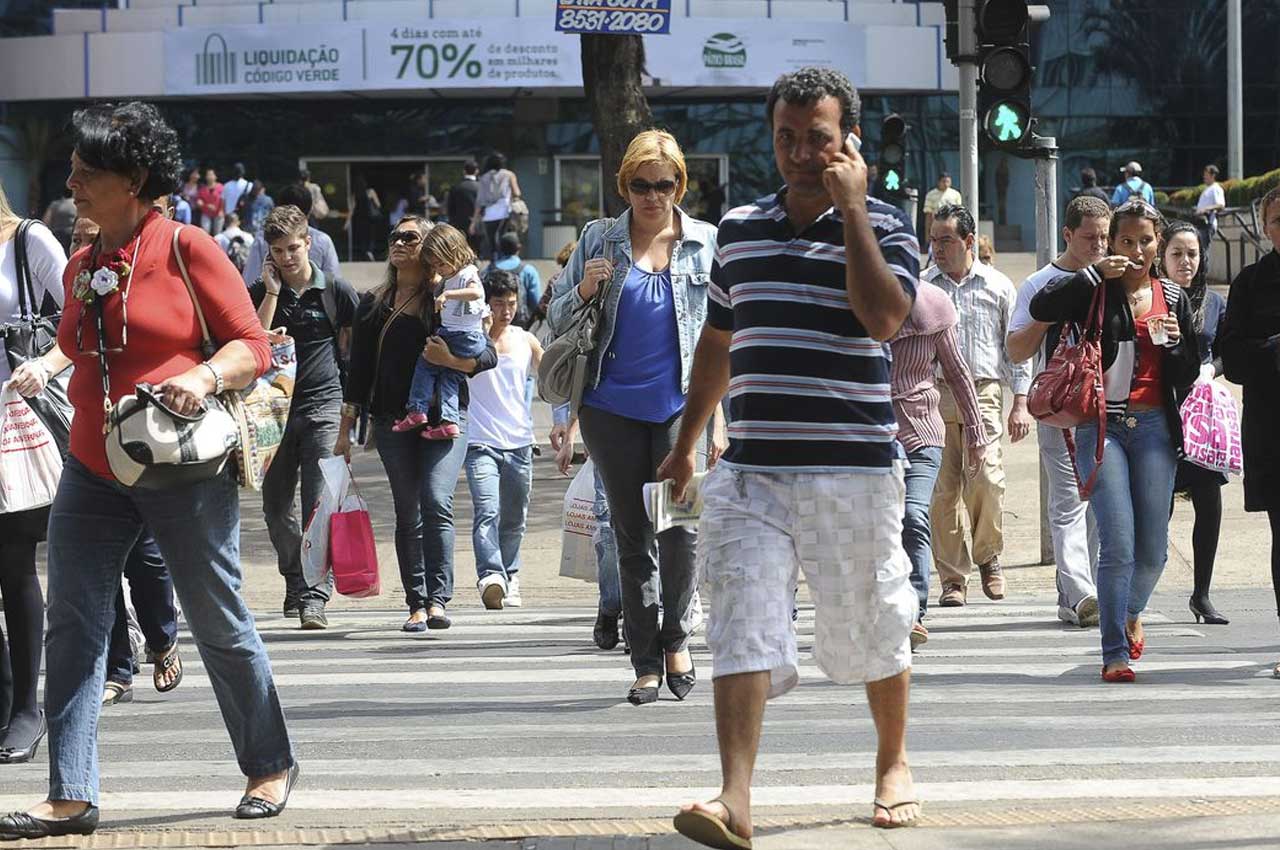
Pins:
x: 464, y: 315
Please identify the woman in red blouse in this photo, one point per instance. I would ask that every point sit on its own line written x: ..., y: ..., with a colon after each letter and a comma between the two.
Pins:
x: 124, y: 158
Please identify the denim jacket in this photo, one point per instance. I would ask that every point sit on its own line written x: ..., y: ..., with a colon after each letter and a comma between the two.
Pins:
x: 690, y: 274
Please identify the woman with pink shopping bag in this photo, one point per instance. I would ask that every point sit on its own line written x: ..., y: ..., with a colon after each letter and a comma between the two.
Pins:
x: 1182, y: 261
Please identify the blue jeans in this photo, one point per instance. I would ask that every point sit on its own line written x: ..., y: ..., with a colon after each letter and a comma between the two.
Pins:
x: 151, y: 589
x: 93, y: 525
x: 429, y: 379
x: 606, y: 555
x: 916, y: 539
x: 1131, y: 506
x: 500, y: 480
x: 423, y: 475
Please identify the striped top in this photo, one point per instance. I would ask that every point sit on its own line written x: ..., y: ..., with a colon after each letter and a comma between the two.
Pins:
x: 926, y: 341
x: 809, y: 388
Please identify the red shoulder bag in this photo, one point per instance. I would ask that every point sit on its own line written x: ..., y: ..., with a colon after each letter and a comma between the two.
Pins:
x: 1069, y: 391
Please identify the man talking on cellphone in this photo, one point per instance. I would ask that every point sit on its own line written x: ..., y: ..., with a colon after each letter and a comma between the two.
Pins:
x: 806, y: 286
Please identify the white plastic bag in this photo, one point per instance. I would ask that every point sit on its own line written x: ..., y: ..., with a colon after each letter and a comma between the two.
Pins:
x: 30, y: 464
x: 315, y: 538
x: 577, y: 551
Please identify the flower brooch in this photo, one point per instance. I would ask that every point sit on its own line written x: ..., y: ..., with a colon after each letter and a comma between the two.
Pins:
x: 103, y: 281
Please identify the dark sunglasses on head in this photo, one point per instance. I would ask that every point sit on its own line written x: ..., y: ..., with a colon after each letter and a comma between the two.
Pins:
x: 644, y: 187
x: 407, y: 237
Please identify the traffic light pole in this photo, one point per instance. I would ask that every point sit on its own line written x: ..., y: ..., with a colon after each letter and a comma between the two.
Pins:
x: 1046, y: 156
x: 967, y: 63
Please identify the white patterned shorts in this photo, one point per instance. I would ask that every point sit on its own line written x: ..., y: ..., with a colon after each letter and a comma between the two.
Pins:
x: 845, y: 531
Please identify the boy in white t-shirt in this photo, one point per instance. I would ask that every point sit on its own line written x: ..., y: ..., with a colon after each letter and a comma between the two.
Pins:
x: 460, y: 303
x: 500, y: 448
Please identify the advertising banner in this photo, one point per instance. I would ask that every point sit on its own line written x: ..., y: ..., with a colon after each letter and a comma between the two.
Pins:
x: 490, y: 54
x: 614, y: 17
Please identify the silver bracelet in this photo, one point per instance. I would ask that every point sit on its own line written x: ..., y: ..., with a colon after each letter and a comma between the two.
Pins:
x: 217, y: 376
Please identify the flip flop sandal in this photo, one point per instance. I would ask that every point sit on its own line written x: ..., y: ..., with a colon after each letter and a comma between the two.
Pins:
x: 164, y: 665
x: 114, y: 692
x: 889, y: 810
x: 709, y: 830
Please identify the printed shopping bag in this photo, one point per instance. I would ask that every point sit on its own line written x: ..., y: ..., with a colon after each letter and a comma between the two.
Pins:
x: 315, y: 537
x: 1211, y: 428
x: 30, y: 463
x: 577, y: 547
x: 353, y: 556
x: 262, y: 411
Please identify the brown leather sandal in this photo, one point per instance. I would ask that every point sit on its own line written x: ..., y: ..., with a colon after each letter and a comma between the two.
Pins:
x: 709, y: 830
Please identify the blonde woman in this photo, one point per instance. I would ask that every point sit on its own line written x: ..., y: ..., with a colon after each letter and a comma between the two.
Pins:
x: 653, y: 264
x: 394, y: 328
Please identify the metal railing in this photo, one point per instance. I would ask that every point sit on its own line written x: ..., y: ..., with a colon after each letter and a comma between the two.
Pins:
x: 1237, y: 231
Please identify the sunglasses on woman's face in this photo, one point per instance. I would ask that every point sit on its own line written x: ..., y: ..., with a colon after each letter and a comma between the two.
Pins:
x: 644, y: 187
x: 403, y: 237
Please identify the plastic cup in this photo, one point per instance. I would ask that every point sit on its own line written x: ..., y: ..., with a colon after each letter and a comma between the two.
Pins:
x: 1159, y: 333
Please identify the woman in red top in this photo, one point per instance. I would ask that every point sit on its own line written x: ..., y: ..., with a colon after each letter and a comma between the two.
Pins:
x: 124, y: 158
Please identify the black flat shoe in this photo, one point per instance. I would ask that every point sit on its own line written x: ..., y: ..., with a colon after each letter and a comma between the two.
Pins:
x: 644, y: 696
x: 438, y: 621
x: 256, y: 808
x: 1203, y: 608
x: 681, y: 683
x: 21, y: 755
x: 606, y: 630
x: 19, y: 825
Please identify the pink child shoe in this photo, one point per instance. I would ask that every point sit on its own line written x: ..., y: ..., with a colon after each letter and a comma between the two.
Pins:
x: 411, y: 422
x: 443, y: 431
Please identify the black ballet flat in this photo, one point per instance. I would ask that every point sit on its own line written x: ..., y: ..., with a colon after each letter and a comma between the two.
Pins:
x: 19, y: 825
x: 256, y: 808
x: 644, y: 696
x: 605, y: 632
x: 1203, y: 608
x: 681, y: 683
x: 21, y: 755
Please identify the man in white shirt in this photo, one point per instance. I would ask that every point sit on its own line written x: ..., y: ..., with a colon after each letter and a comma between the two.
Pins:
x: 234, y: 188
x: 983, y: 298
x: 1212, y: 201
x: 940, y: 196
x: 1075, y: 539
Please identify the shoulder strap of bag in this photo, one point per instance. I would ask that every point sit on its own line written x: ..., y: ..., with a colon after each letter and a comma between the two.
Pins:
x: 382, y: 335
x: 26, y: 288
x: 206, y: 345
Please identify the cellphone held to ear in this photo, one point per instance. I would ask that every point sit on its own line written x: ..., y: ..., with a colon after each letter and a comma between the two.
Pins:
x: 852, y: 139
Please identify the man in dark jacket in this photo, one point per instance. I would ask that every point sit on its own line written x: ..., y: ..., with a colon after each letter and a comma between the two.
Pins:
x: 460, y: 206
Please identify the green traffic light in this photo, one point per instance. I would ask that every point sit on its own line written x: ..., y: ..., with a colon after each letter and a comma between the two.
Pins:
x: 1007, y: 122
x: 892, y: 181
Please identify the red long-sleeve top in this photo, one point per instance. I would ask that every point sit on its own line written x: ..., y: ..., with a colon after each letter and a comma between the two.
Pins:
x: 164, y: 337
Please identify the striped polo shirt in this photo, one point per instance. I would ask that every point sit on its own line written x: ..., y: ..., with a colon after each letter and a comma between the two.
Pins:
x: 809, y: 388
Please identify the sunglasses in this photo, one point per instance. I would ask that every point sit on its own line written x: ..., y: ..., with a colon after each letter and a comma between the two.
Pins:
x: 403, y: 237
x: 644, y: 187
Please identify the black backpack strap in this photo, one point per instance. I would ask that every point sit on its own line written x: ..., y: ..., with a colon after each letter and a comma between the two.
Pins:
x: 26, y: 288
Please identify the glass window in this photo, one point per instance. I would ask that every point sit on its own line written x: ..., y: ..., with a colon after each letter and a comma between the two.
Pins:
x: 443, y: 175
x: 705, y: 198
x: 579, y: 190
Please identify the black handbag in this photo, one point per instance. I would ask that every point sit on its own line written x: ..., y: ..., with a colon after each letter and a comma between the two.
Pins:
x: 31, y: 336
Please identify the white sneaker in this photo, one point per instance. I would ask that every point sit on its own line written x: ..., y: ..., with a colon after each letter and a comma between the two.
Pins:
x: 1068, y: 615
x: 493, y: 591
x: 513, y: 599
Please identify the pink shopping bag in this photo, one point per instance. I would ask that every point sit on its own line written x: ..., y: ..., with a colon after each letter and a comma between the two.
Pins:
x: 353, y: 557
x: 1211, y: 428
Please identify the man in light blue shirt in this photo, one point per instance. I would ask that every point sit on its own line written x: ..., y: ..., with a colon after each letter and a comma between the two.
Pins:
x: 509, y: 248
x: 1133, y: 185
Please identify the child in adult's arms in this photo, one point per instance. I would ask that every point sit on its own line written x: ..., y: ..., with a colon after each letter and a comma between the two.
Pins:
x: 460, y: 303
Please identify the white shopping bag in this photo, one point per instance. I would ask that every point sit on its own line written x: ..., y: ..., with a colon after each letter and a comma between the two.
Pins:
x: 577, y: 551
x: 315, y: 538
x: 30, y: 464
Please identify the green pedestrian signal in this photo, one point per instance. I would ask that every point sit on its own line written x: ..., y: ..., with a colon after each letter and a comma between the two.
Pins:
x: 1007, y: 122
x: 892, y: 181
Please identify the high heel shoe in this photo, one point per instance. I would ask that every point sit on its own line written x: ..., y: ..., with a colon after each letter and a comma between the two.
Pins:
x: 21, y: 755
x: 256, y: 808
x: 681, y: 683
x: 1203, y: 609
x: 644, y: 696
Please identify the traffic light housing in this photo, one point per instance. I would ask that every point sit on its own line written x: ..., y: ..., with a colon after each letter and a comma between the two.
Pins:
x: 893, y: 156
x: 1005, y: 71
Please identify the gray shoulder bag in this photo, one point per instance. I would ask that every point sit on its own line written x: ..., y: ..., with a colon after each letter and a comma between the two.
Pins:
x: 562, y: 374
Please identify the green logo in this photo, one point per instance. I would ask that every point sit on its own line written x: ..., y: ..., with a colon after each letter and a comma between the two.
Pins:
x: 215, y: 63
x: 724, y: 50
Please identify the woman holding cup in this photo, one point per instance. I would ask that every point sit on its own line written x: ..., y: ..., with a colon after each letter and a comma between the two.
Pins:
x: 1150, y: 354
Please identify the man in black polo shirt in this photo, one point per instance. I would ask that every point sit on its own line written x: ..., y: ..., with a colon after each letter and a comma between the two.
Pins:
x: 806, y: 286
x: 295, y: 297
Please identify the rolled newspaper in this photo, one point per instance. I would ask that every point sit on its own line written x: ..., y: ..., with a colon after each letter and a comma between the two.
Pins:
x: 663, y: 509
